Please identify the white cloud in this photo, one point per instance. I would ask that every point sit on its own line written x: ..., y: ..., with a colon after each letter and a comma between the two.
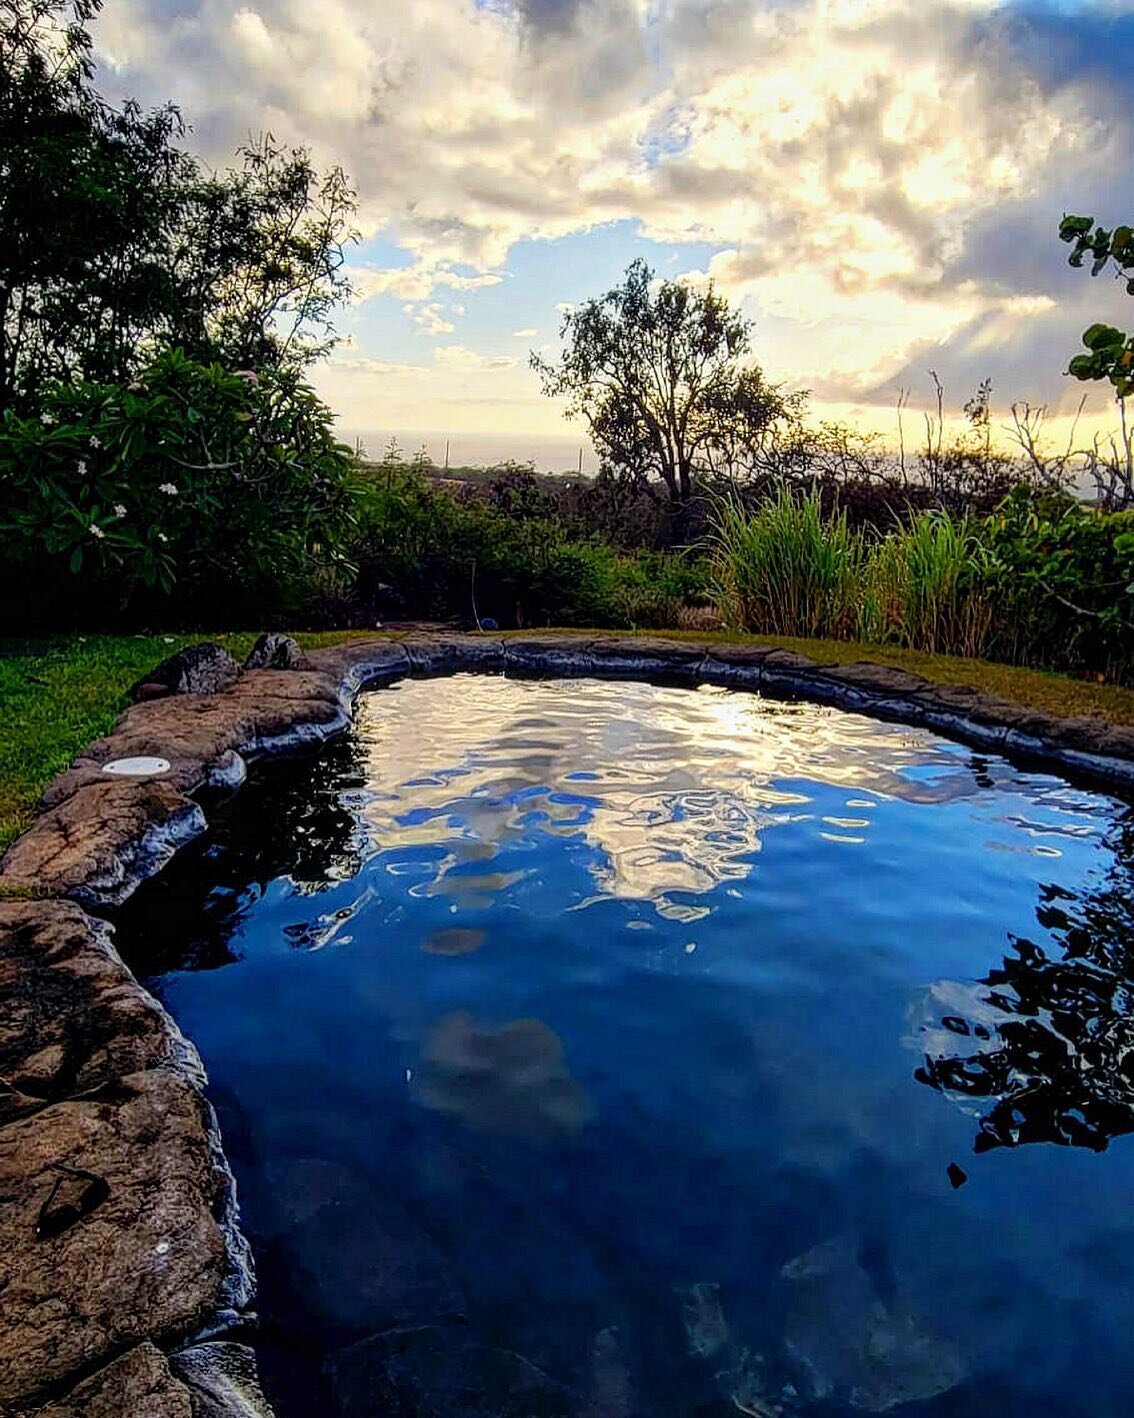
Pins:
x: 431, y: 318
x: 458, y: 357
x: 853, y: 158
x: 358, y: 364
x: 526, y: 334
x: 416, y: 282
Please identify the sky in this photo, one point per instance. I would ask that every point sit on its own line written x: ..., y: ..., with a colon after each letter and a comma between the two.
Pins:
x: 876, y: 183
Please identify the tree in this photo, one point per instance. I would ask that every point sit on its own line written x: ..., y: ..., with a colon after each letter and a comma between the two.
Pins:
x: 1110, y: 352
x: 657, y: 370
x: 257, y: 258
x: 116, y: 243
x: 77, y: 190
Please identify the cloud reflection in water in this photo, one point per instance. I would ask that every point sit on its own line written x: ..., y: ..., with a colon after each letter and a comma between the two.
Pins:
x: 675, y: 791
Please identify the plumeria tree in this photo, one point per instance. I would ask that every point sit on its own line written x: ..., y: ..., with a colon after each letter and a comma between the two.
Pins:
x: 219, y: 485
x: 1110, y: 351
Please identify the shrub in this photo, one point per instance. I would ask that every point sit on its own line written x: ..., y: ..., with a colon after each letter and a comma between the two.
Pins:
x: 1066, y: 594
x: 221, y: 486
x: 1044, y: 582
x: 784, y: 569
x: 929, y: 586
x: 421, y: 552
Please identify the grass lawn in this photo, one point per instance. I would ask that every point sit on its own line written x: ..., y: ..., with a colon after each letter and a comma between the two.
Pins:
x: 57, y: 695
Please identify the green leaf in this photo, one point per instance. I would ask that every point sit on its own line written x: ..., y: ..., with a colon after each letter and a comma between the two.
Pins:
x: 76, y: 562
x: 1100, y: 337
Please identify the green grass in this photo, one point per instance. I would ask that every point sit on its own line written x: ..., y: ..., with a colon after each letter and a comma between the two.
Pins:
x: 58, y: 695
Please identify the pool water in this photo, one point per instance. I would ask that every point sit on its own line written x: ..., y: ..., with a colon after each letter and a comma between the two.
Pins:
x: 610, y: 1049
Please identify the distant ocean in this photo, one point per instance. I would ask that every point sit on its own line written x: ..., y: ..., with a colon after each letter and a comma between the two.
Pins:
x: 550, y: 453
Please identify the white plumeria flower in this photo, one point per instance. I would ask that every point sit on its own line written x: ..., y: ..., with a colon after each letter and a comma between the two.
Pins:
x: 97, y: 532
x: 170, y: 489
x: 162, y: 537
x: 119, y: 510
x: 95, y: 441
x: 81, y: 467
x: 46, y: 420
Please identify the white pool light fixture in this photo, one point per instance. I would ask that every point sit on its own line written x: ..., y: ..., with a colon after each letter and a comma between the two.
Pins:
x: 136, y: 767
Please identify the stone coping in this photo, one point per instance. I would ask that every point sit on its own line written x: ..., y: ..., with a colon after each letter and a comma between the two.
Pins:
x: 125, y: 1311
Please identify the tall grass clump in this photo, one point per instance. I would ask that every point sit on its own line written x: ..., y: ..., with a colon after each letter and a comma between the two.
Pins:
x: 930, y: 586
x: 784, y: 569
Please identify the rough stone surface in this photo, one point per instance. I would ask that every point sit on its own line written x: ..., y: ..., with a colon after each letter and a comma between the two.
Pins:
x: 97, y: 844
x: 72, y: 1017
x: 149, y: 1262
x: 198, y: 669
x: 99, y: 837
x: 444, y: 654
x: 356, y: 663
x: 138, y: 1385
x: 222, y: 1380
x: 273, y: 651
x: 882, y: 680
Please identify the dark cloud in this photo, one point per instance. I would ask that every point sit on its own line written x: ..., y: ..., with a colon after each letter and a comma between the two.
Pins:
x: 1059, y: 47
x: 550, y: 16
x: 1024, y: 355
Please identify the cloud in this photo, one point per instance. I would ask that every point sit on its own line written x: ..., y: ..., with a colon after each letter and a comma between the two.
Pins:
x: 525, y: 334
x: 431, y: 318
x: 358, y: 364
x: 876, y: 178
x: 457, y: 357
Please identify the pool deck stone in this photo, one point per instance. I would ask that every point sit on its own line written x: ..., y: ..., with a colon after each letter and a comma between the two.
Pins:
x: 128, y: 1309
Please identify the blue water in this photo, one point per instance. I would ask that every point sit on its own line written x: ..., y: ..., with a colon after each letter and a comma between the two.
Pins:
x: 610, y: 1049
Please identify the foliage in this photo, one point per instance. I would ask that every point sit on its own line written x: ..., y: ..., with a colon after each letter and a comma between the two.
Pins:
x: 115, y: 242
x: 219, y: 485
x: 657, y: 371
x: 257, y: 257
x: 1044, y: 581
x: 1110, y: 352
x: 925, y: 587
x: 785, y: 569
x: 1066, y: 586
x: 421, y: 551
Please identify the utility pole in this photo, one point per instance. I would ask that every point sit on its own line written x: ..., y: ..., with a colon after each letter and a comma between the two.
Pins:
x: 446, y: 455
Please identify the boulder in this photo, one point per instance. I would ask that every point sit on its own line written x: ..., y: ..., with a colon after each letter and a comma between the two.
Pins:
x: 99, y: 843
x: 72, y: 1017
x: 198, y: 669
x: 137, y: 1385
x: 222, y: 1380
x: 143, y: 1255
x: 274, y: 651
